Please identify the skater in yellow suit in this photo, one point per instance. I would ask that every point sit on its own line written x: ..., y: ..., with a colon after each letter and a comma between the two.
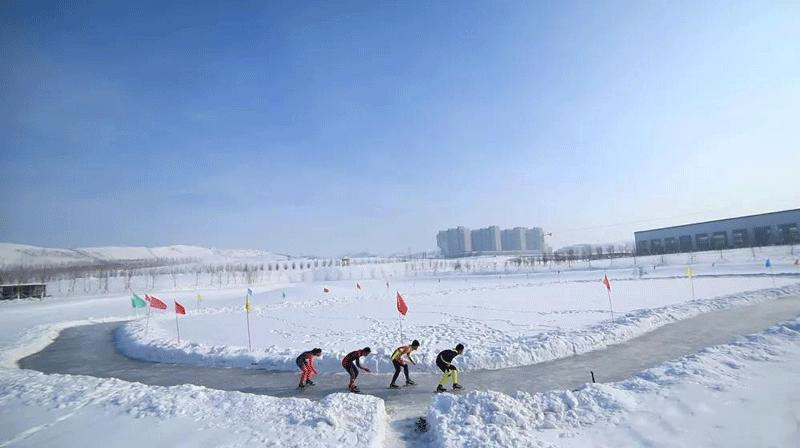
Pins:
x: 398, y: 362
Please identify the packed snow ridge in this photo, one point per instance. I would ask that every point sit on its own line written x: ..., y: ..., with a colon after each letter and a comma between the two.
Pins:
x: 240, y: 419
x: 496, y: 349
x: 693, y: 387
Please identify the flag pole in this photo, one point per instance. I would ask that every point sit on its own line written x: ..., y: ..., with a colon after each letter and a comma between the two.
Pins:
x: 691, y: 280
x: 400, y: 318
x: 249, y: 344
x: 147, y: 320
x: 177, y: 327
x: 247, y: 314
x: 610, y: 306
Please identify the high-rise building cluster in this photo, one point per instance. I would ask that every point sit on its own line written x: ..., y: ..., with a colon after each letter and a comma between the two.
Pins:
x: 461, y: 241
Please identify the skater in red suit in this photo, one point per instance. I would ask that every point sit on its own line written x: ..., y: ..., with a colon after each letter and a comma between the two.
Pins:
x: 352, y: 363
x: 305, y: 362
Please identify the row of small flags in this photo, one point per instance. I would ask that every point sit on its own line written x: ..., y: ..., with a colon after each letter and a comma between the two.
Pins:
x: 689, y: 275
x: 326, y: 290
x: 358, y: 287
x: 138, y: 302
x: 155, y: 302
x: 402, y: 308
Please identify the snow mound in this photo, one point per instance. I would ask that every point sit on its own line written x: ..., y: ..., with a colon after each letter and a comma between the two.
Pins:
x: 21, y: 254
x: 495, y: 419
x: 500, y: 350
x: 337, y: 420
x: 559, y: 344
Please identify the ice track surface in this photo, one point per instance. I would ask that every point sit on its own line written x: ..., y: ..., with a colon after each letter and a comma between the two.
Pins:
x: 68, y: 354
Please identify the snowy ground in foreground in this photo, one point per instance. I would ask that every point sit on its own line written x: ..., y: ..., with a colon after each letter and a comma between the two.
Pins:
x: 744, y: 394
x: 504, y: 321
x: 67, y: 411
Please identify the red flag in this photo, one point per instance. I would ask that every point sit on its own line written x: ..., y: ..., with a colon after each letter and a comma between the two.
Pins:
x: 179, y: 309
x: 156, y: 303
x: 797, y: 262
x: 358, y: 286
x: 607, y: 282
x: 401, y: 305
x: 326, y: 290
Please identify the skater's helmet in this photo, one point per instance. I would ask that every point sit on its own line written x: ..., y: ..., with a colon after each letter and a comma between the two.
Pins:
x: 366, y: 350
x: 460, y: 348
x: 316, y: 351
x: 415, y: 343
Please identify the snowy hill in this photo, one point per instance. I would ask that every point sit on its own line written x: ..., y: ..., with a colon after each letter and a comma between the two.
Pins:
x: 20, y: 254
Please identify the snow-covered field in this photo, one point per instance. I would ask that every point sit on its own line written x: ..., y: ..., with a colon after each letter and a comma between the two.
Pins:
x: 505, y: 321
x: 505, y: 315
x: 744, y: 394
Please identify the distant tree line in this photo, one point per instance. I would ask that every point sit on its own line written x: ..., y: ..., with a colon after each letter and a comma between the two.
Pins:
x: 90, y: 277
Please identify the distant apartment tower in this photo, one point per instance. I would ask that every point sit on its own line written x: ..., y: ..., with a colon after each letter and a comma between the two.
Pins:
x: 487, y: 239
x: 513, y: 239
x: 534, y: 239
x: 454, y: 242
x: 460, y: 241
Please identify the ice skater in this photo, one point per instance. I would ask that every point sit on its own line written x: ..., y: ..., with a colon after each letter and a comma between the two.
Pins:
x: 444, y: 360
x: 398, y: 362
x: 352, y: 363
x: 305, y: 362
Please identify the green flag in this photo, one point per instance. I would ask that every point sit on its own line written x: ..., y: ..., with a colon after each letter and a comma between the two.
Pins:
x: 137, y: 302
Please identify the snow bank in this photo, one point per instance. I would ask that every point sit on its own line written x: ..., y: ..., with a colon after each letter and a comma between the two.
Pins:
x: 496, y: 349
x: 151, y: 341
x: 238, y: 419
x: 559, y: 344
x: 494, y: 419
x: 68, y: 411
x: 489, y: 418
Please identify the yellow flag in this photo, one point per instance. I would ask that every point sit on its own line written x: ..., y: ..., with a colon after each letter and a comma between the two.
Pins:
x: 199, y: 298
x: 247, y: 306
x: 690, y: 272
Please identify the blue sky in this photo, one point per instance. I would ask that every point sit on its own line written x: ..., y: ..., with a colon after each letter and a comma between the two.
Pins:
x: 332, y: 127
